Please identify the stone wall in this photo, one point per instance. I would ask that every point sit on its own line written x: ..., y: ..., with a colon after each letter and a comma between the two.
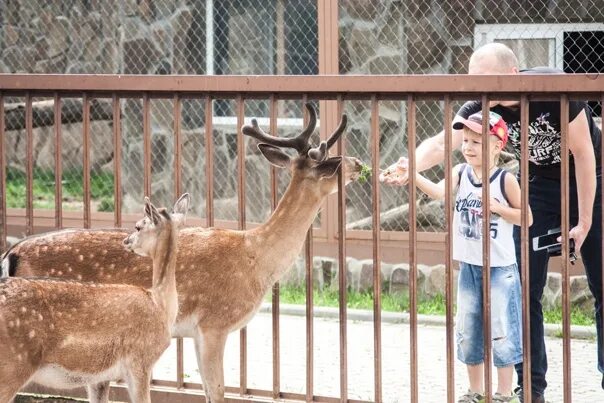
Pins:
x: 431, y: 280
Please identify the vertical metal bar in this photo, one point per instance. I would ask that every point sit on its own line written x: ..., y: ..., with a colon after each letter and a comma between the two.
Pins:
x: 209, y: 140
x: 58, y: 164
x: 275, y: 291
x: 486, y: 246
x: 241, y: 199
x: 342, y: 286
x: 309, y: 296
x: 412, y: 248
x: 86, y: 161
x: 2, y: 177
x: 177, y: 146
x: 177, y: 192
x: 524, y: 249
x: 564, y: 191
x: 117, y: 161
x: 448, y: 250
x: 601, y: 223
x: 377, y: 276
x: 29, y: 170
x: 146, y: 145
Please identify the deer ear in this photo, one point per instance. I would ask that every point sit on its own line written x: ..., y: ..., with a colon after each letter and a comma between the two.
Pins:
x: 179, y: 211
x: 329, y: 167
x: 151, y: 212
x: 274, y: 155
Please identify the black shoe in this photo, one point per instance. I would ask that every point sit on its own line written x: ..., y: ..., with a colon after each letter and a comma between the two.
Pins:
x: 536, y: 397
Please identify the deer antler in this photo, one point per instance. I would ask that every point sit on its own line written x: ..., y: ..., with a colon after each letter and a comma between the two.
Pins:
x: 299, y: 143
x: 320, y: 153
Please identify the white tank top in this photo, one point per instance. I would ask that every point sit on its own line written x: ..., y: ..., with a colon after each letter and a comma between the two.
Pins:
x: 467, y: 222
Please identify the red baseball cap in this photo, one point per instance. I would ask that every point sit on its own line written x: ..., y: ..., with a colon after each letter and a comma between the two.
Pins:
x: 497, y: 126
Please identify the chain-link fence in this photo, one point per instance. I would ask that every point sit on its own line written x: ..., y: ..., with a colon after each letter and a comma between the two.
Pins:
x: 264, y: 37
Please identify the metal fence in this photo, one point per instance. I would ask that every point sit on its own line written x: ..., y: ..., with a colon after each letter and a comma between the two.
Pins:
x: 274, y: 37
x: 344, y: 91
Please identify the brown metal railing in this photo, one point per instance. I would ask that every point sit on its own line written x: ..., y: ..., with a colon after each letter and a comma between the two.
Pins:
x: 338, y: 88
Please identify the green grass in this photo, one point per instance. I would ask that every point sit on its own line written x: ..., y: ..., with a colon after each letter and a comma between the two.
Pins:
x: 400, y: 303
x: 101, y: 189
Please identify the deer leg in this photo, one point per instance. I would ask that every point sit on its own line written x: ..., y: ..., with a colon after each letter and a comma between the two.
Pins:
x: 139, y: 381
x: 198, y: 339
x: 12, y: 379
x: 9, y: 388
x: 98, y: 392
x: 212, y: 355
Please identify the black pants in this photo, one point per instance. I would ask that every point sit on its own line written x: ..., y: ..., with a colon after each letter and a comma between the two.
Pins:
x: 544, y: 199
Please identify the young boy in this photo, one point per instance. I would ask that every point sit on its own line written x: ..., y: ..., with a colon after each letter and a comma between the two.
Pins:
x: 506, y: 305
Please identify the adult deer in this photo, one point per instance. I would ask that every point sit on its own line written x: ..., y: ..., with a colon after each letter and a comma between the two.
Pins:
x: 67, y: 334
x: 223, y: 274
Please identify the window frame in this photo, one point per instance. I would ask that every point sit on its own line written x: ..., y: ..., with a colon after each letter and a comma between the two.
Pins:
x: 487, y: 33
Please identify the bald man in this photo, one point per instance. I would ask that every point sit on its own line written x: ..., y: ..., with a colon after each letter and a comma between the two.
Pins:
x: 544, y: 189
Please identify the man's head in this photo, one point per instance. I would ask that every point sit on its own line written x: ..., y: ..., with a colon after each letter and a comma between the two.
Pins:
x: 493, y: 58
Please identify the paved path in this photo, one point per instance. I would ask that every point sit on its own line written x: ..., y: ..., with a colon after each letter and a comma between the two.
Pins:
x: 395, y: 361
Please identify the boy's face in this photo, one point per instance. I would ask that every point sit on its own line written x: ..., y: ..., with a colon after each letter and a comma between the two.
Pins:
x: 471, y: 147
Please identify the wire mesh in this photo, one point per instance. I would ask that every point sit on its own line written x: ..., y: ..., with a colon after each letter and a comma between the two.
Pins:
x: 267, y: 37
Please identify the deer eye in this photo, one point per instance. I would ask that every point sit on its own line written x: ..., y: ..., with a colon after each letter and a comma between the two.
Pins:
x: 138, y: 227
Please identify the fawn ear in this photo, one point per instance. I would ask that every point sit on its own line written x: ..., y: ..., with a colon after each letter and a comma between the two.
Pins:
x: 151, y: 212
x: 180, y: 209
x: 274, y: 155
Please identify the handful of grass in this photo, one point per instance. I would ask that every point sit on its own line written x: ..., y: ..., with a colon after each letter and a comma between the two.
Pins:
x: 365, y: 173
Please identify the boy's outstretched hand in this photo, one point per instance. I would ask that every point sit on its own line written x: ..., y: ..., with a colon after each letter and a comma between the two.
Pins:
x: 396, y: 174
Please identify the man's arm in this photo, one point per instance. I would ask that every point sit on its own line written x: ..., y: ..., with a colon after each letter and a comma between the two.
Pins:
x: 579, y: 143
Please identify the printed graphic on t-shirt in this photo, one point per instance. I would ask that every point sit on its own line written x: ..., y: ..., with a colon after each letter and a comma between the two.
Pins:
x: 544, y: 141
x: 470, y: 214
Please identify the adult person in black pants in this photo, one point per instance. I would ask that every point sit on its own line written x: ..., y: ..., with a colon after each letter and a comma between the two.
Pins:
x: 544, y: 190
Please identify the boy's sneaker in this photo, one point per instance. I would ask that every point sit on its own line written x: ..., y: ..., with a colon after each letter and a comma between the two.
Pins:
x: 497, y: 398
x: 535, y: 398
x: 471, y: 397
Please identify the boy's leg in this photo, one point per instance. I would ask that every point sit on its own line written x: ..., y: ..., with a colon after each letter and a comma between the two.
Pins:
x: 504, y: 380
x: 506, y: 324
x: 476, y: 377
x: 544, y: 200
x: 469, y: 324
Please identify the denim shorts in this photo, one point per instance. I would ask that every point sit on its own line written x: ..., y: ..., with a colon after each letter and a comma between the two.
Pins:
x: 506, y: 315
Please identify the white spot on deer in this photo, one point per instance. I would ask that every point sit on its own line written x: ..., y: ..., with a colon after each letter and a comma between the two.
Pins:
x: 69, y: 269
x: 2, y: 298
x: 91, y: 256
x: 40, y: 317
x: 17, y: 322
x: 60, y: 273
x: 19, y: 357
x: 23, y: 309
x: 93, y: 323
x: 77, y: 250
x: 32, y: 334
x: 80, y: 258
x: 96, y: 264
x: 104, y: 252
x: 79, y: 277
x: 52, y: 326
x: 44, y: 248
x: 11, y: 324
x: 52, y: 271
x: 112, y: 266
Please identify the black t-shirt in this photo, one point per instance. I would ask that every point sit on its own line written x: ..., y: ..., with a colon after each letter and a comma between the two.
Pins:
x: 544, y: 129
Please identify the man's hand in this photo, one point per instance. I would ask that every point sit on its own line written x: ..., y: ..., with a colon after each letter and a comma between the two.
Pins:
x: 579, y: 233
x: 396, y: 174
